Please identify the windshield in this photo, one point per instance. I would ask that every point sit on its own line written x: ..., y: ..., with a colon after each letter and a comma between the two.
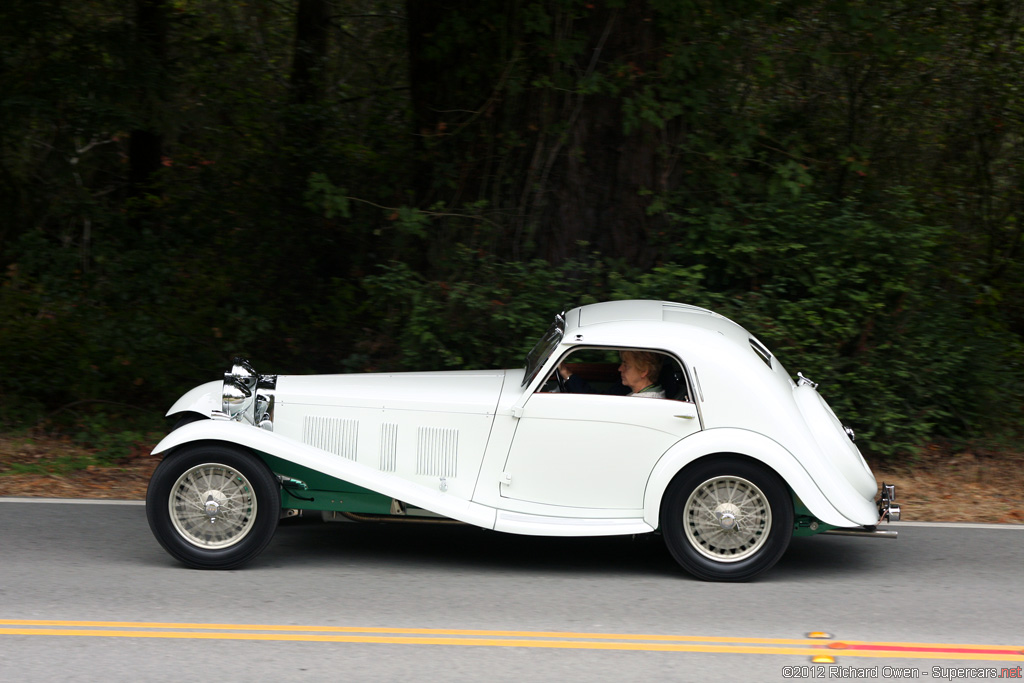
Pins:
x: 535, y: 358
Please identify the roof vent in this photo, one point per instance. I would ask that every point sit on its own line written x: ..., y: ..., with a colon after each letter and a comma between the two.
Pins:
x: 761, y: 352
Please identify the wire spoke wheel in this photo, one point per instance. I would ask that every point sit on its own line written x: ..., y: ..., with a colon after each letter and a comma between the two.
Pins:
x: 212, y: 506
x: 727, y: 519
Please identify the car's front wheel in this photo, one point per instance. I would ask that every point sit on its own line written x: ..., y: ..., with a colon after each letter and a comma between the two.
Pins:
x: 213, y: 505
x: 727, y: 519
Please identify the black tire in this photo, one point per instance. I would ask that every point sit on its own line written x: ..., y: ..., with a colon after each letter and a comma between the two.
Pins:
x: 213, y: 505
x: 727, y: 519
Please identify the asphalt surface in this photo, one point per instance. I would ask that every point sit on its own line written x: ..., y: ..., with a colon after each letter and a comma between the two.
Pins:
x: 86, y: 593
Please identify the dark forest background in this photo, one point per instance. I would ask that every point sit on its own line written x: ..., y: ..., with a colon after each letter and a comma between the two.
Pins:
x: 359, y: 185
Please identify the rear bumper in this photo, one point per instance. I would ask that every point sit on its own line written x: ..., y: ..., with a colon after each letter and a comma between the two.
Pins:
x: 888, y: 511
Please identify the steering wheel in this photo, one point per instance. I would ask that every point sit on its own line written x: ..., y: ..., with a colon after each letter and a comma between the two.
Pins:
x: 561, y: 382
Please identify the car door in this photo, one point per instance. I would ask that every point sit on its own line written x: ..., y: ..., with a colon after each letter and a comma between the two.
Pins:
x: 591, y: 451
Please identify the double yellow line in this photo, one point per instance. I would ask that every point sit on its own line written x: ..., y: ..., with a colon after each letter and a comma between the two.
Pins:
x: 530, y: 639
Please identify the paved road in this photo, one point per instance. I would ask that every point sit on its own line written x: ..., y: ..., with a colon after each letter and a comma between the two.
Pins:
x: 86, y: 593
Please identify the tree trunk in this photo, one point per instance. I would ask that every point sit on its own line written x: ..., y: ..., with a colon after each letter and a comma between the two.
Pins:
x: 310, y: 52
x: 145, y: 145
x: 508, y: 106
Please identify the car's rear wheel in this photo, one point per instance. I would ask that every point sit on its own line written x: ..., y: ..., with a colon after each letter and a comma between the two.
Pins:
x: 727, y: 519
x: 213, y: 505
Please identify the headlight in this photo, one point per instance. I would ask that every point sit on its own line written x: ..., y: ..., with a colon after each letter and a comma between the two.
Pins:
x: 236, y: 398
x: 239, y: 389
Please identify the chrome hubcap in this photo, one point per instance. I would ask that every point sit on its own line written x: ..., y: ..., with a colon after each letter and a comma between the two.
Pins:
x: 727, y: 519
x: 726, y: 514
x: 212, y: 506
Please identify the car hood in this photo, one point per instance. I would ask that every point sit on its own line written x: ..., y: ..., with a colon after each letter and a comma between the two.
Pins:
x: 463, y: 391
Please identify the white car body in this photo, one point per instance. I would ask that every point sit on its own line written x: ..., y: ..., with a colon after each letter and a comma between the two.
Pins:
x: 485, y: 448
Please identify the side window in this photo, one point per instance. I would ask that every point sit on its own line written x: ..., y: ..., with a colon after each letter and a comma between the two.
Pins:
x: 622, y: 372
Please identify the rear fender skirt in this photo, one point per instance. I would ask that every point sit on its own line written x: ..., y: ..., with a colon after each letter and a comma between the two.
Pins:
x: 827, y: 495
x: 341, y: 468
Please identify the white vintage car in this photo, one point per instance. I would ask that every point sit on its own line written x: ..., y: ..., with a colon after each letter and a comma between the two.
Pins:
x: 733, y: 461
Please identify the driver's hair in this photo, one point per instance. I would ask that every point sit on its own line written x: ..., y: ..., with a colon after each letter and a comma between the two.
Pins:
x: 646, y: 362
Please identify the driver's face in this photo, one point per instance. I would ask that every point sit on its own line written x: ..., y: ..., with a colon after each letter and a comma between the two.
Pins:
x: 631, y: 376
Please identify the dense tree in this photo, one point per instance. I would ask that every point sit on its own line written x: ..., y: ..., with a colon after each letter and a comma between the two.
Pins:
x: 529, y: 113
x: 357, y: 184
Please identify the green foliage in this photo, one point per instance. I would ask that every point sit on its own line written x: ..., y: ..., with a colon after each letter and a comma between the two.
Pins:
x: 854, y: 300
x: 113, y: 433
x: 323, y: 197
x: 486, y: 313
x: 60, y: 465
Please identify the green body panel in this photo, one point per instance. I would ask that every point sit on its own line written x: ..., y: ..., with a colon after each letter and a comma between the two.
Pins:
x: 803, y: 520
x: 336, y: 501
x: 324, y: 492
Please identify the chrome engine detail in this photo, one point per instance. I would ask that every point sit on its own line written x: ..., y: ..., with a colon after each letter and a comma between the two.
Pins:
x: 265, y: 411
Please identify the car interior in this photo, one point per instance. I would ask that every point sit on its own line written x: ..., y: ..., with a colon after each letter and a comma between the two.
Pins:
x: 599, y: 369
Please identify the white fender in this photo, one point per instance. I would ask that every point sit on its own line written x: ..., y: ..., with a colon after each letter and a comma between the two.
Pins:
x: 341, y: 468
x: 832, y: 440
x: 842, y: 507
x: 203, y: 399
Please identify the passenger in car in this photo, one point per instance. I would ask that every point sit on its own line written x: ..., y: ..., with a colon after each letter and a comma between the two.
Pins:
x: 639, y: 371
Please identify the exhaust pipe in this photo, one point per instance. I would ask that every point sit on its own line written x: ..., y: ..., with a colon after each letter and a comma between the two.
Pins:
x: 864, y: 532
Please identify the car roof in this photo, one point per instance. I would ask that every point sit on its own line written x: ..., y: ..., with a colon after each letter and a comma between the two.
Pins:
x: 647, y: 310
x: 654, y: 323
